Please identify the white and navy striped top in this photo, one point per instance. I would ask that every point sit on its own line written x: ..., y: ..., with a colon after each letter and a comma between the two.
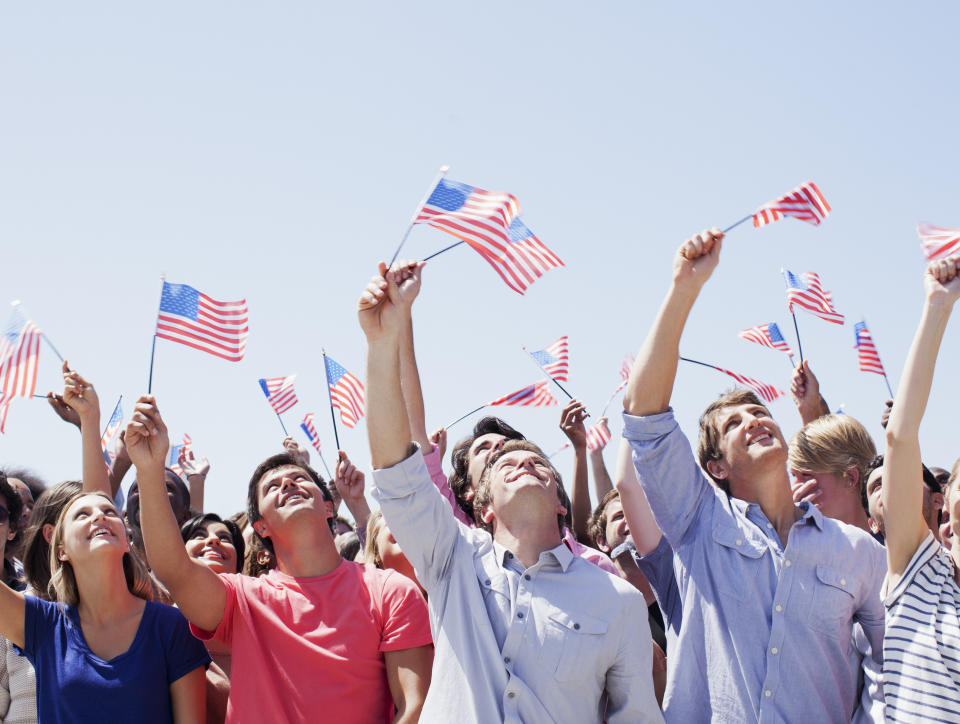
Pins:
x: 921, y: 646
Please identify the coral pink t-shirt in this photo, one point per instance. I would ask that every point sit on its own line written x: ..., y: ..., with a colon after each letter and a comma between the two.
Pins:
x: 306, y: 649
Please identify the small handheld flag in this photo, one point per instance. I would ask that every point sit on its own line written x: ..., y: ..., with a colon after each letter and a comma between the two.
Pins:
x: 598, y: 436
x: 766, y: 391
x: 535, y: 395
x: 192, y: 318
x: 173, y: 459
x: 937, y: 242
x: 346, y: 392
x: 279, y: 392
x: 804, y: 203
x: 310, y: 430
x: 554, y: 359
x: 867, y: 353
x: 110, y: 433
x: 19, y: 356
x: 806, y: 292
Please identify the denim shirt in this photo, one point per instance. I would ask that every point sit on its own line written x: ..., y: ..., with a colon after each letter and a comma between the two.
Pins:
x: 766, y: 630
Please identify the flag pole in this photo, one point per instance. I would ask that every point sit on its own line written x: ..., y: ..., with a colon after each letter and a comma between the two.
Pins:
x: 702, y: 364
x: 793, y: 314
x: 463, y: 417
x: 612, y: 397
x: 734, y: 226
x: 153, y: 347
x: 547, y: 373
x: 286, y: 434
x: 324, y: 465
x: 16, y: 303
x: 440, y: 174
x: 333, y: 417
x: 446, y: 248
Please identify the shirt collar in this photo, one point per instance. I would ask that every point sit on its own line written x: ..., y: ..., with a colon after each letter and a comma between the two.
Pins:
x: 810, y: 512
x: 561, y: 554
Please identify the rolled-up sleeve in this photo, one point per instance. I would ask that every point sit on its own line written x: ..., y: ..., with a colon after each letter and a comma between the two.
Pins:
x: 418, y: 516
x: 671, y: 479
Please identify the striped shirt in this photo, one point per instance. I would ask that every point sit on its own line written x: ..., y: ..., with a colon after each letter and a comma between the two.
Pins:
x: 921, y: 646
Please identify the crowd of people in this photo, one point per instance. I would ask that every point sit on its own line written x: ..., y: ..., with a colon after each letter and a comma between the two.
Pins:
x: 743, y: 578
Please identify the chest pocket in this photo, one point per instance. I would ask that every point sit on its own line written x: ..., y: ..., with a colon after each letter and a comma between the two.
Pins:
x: 739, y: 562
x: 573, y: 644
x: 834, y: 596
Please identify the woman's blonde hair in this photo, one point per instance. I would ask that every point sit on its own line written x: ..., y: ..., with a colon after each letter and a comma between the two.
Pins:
x: 832, y: 444
x: 371, y: 551
x: 63, y: 581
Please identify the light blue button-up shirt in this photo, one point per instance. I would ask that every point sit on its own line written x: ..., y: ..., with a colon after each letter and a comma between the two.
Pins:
x: 766, y: 628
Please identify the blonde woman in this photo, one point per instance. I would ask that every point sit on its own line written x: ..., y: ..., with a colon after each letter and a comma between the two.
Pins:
x: 104, y: 651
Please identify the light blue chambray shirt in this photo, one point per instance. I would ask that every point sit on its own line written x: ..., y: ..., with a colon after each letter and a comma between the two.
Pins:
x: 766, y: 631
x: 561, y: 641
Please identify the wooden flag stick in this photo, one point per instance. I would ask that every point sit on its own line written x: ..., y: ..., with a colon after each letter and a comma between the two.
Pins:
x: 440, y: 174
x: 333, y: 417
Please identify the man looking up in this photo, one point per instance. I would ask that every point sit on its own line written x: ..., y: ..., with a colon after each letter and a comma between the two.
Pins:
x: 316, y: 634
x: 770, y: 589
x: 525, y: 631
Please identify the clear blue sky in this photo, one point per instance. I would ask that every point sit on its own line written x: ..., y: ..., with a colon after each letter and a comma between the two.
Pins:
x: 276, y: 151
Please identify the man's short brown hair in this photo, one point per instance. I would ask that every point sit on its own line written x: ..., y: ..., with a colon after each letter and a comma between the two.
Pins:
x: 482, y: 495
x: 597, y: 525
x: 708, y: 443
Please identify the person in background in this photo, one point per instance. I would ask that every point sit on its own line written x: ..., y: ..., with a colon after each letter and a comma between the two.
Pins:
x: 382, y: 550
x: 39, y: 533
x: 921, y: 668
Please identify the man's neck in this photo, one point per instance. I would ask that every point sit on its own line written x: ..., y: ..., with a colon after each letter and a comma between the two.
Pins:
x: 306, y: 551
x: 527, y: 541
x: 771, y: 493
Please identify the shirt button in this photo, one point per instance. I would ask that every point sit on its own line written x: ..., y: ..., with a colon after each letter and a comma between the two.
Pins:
x: 576, y: 626
x: 509, y: 554
x: 770, y: 526
x: 768, y: 693
x: 520, y: 614
x: 778, y: 608
x: 506, y: 659
x: 739, y: 541
x: 510, y: 695
x: 843, y: 581
x: 526, y: 576
x: 787, y: 564
x: 486, y: 582
x: 773, y: 651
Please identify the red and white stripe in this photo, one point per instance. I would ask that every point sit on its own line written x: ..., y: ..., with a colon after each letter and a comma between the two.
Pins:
x: 311, y: 430
x: 814, y: 299
x: 804, y: 203
x: 347, y: 396
x: 598, y: 436
x: 18, y: 362
x: 221, y: 328
x: 761, y: 336
x: 282, y: 395
x: 867, y: 353
x: 937, y: 242
x: 519, y: 263
x: 4, y: 409
x: 560, y: 348
x: 535, y: 395
x: 768, y: 392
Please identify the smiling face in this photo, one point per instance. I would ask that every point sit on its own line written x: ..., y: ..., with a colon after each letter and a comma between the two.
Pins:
x: 89, y: 529
x: 874, y: 501
x: 616, y: 530
x: 479, y: 453
x: 212, y: 545
x: 519, y: 481
x: 749, y: 442
x: 284, y: 493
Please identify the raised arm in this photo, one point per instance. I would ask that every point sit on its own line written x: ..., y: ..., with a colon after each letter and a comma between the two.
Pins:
x: 651, y: 379
x: 350, y: 483
x: 121, y: 464
x: 643, y: 526
x: 408, y: 674
x: 805, y: 390
x: 409, y: 374
x: 571, y: 422
x: 196, y: 470
x: 602, y: 484
x: 82, y: 398
x: 902, y: 492
x: 194, y: 587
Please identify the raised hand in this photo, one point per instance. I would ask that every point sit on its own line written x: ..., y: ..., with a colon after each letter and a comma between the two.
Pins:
x: 439, y: 438
x: 571, y: 422
x: 297, y: 451
x: 192, y: 465
x: 63, y: 410
x: 80, y: 396
x: 147, y: 440
x: 697, y: 258
x: 379, y: 309
x: 807, y: 490
x: 942, y: 280
x: 349, y: 479
x: 407, y: 276
x: 805, y: 390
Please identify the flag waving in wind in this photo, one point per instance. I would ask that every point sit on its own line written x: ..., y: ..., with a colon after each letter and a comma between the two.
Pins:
x: 110, y: 433
x: 346, y: 392
x: 194, y: 319
x: 19, y: 355
x: 173, y: 460
x: 867, y: 350
x: 806, y: 292
x: 555, y: 359
x: 598, y: 436
x: 310, y: 430
x: 805, y: 203
x: 535, y: 395
x: 767, y: 335
x: 938, y: 243
x: 489, y: 222
x: 279, y: 392
x: 768, y: 392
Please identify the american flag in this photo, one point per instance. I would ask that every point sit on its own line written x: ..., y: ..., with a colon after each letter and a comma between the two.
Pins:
x: 19, y: 354
x: 555, y: 359
x: 346, y: 392
x: 310, y: 430
x: 194, y: 319
x: 767, y: 392
x: 535, y: 395
x: 626, y: 364
x: 173, y: 459
x: 489, y: 222
x: 807, y: 293
x: 805, y: 203
x: 867, y: 350
x: 279, y: 392
x: 767, y: 335
x: 938, y: 243
x: 111, y: 432
x: 598, y: 436
x: 4, y: 409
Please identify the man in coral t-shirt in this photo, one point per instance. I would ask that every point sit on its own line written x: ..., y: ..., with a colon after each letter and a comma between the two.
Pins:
x: 318, y: 636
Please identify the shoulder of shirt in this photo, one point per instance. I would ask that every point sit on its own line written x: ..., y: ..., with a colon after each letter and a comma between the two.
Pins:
x: 164, y: 612
x: 856, y: 536
x: 581, y: 567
